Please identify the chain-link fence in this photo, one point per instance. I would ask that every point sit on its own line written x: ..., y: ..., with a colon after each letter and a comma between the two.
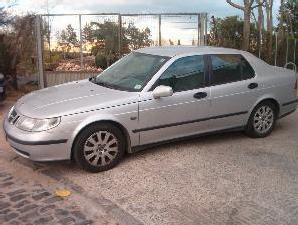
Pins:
x: 84, y: 44
x: 77, y: 46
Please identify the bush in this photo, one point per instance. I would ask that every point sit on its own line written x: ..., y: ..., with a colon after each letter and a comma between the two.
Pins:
x: 101, y: 61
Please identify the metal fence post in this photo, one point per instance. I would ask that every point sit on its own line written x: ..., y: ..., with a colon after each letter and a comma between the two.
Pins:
x: 81, y: 41
x: 202, y: 30
x: 260, y: 43
x: 199, y: 28
x: 205, y: 33
x: 287, y: 50
x: 276, y: 43
x: 119, y: 33
x: 159, y: 30
x: 295, y: 51
x: 41, y: 81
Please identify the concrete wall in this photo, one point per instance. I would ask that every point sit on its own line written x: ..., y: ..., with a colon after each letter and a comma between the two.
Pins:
x: 58, y: 77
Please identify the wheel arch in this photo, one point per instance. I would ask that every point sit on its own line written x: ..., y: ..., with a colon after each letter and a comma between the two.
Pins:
x: 111, y: 121
x: 269, y: 99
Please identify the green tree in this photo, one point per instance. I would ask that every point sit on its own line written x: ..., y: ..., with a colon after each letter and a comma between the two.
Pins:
x: 228, y: 32
x: 87, y: 35
x: 18, y: 46
x: 288, y: 17
x: 4, y: 54
x: 67, y: 38
x: 107, y: 32
x: 137, y: 38
x: 5, y: 18
x: 287, y: 31
x: 247, y: 9
x: 106, y: 36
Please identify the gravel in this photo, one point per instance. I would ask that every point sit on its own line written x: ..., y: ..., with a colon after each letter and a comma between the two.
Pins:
x: 221, y: 179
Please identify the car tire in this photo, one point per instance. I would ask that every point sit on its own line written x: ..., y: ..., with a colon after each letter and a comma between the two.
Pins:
x: 99, y: 147
x: 262, y: 120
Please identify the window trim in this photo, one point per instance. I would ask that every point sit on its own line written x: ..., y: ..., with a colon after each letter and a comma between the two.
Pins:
x: 206, y: 73
x: 210, y: 71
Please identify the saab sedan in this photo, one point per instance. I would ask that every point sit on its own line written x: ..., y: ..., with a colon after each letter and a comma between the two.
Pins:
x: 151, y: 96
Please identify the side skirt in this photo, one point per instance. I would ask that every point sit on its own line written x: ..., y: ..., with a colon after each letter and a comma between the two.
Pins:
x: 142, y: 147
x: 286, y: 114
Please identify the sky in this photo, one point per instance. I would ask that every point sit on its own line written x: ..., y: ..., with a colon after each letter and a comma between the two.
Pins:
x: 218, y: 8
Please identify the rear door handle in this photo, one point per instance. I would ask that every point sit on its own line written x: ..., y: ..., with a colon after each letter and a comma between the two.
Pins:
x: 252, y: 85
x: 200, y: 95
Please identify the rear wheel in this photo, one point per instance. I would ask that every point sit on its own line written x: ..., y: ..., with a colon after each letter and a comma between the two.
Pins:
x: 99, y: 147
x: 262, y: 120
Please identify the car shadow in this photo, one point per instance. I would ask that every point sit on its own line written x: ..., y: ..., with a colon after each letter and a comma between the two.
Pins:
x: 204, y: 139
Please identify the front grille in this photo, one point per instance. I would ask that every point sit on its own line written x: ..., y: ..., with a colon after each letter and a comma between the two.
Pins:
x: 13, y: 117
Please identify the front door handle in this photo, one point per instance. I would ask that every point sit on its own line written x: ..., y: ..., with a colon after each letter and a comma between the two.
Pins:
x: 200, y: 95
x: 252, y: 85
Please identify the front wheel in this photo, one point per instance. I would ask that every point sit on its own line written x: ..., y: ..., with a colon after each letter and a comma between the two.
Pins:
x: 262, y: 120
x: 99, y: 147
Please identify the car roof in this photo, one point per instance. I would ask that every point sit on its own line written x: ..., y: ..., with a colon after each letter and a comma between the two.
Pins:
x: 171, y: 51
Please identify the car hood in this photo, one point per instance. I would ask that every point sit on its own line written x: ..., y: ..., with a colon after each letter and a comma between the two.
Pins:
x: 71, y: 98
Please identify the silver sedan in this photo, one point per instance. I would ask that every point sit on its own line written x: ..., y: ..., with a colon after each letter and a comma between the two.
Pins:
x: 151, y: 96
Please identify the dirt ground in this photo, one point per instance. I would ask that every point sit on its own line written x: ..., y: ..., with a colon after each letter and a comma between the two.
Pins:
x: 223, y: 179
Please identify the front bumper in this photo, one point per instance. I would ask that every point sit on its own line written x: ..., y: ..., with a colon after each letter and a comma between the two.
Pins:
x: 37, y: 146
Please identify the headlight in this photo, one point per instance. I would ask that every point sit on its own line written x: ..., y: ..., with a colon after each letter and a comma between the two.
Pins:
x: 10, y: 111
x: 12, y: 114
x: 35, y: 125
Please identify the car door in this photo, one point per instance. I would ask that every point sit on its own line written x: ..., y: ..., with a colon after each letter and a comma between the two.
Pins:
x: 181, y: 114
x: 233, y: 90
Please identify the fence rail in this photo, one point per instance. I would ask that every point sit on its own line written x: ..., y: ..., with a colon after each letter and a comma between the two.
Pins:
x: 57, y: 77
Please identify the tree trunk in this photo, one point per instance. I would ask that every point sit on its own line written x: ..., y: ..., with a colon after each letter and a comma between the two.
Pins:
x: 260, y: 26
x: 13, y: 71
x: 215, y: 37
x: 281, y: 20
x: 246, y: 29
x: 247, y: 9
x: 269, y: 5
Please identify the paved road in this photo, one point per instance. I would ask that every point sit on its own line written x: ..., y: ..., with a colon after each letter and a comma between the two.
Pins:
x: 23, y: 202
x: 27, y: 195
x: 222, y: 179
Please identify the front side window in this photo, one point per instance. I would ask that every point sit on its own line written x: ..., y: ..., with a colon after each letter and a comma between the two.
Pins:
x: 132, y: 72
x: 230, y: 68
x: 184, y: 74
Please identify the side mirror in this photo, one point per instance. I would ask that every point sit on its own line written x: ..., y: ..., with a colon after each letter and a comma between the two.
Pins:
x: 162, y: 91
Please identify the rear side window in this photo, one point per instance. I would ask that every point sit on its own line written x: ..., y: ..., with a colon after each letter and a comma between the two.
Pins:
x: 230, y: 68
x: 184, y: 74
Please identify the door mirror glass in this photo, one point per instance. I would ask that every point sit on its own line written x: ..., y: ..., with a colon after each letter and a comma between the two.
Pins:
x: 162, y: 91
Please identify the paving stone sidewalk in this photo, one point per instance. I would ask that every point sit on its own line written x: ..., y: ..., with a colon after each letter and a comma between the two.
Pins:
x: 30, y: 203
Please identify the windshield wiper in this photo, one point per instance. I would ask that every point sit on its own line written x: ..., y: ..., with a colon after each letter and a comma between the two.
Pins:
x: 104, y: 84
x: 112, y: 86
x: 92, y: 79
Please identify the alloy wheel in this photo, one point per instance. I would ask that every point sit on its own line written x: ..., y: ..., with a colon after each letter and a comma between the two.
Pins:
x: 263, y: 119
x: 100, y: 148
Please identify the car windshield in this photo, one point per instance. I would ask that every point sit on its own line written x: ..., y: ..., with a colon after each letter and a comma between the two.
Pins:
x: 131, y: 73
